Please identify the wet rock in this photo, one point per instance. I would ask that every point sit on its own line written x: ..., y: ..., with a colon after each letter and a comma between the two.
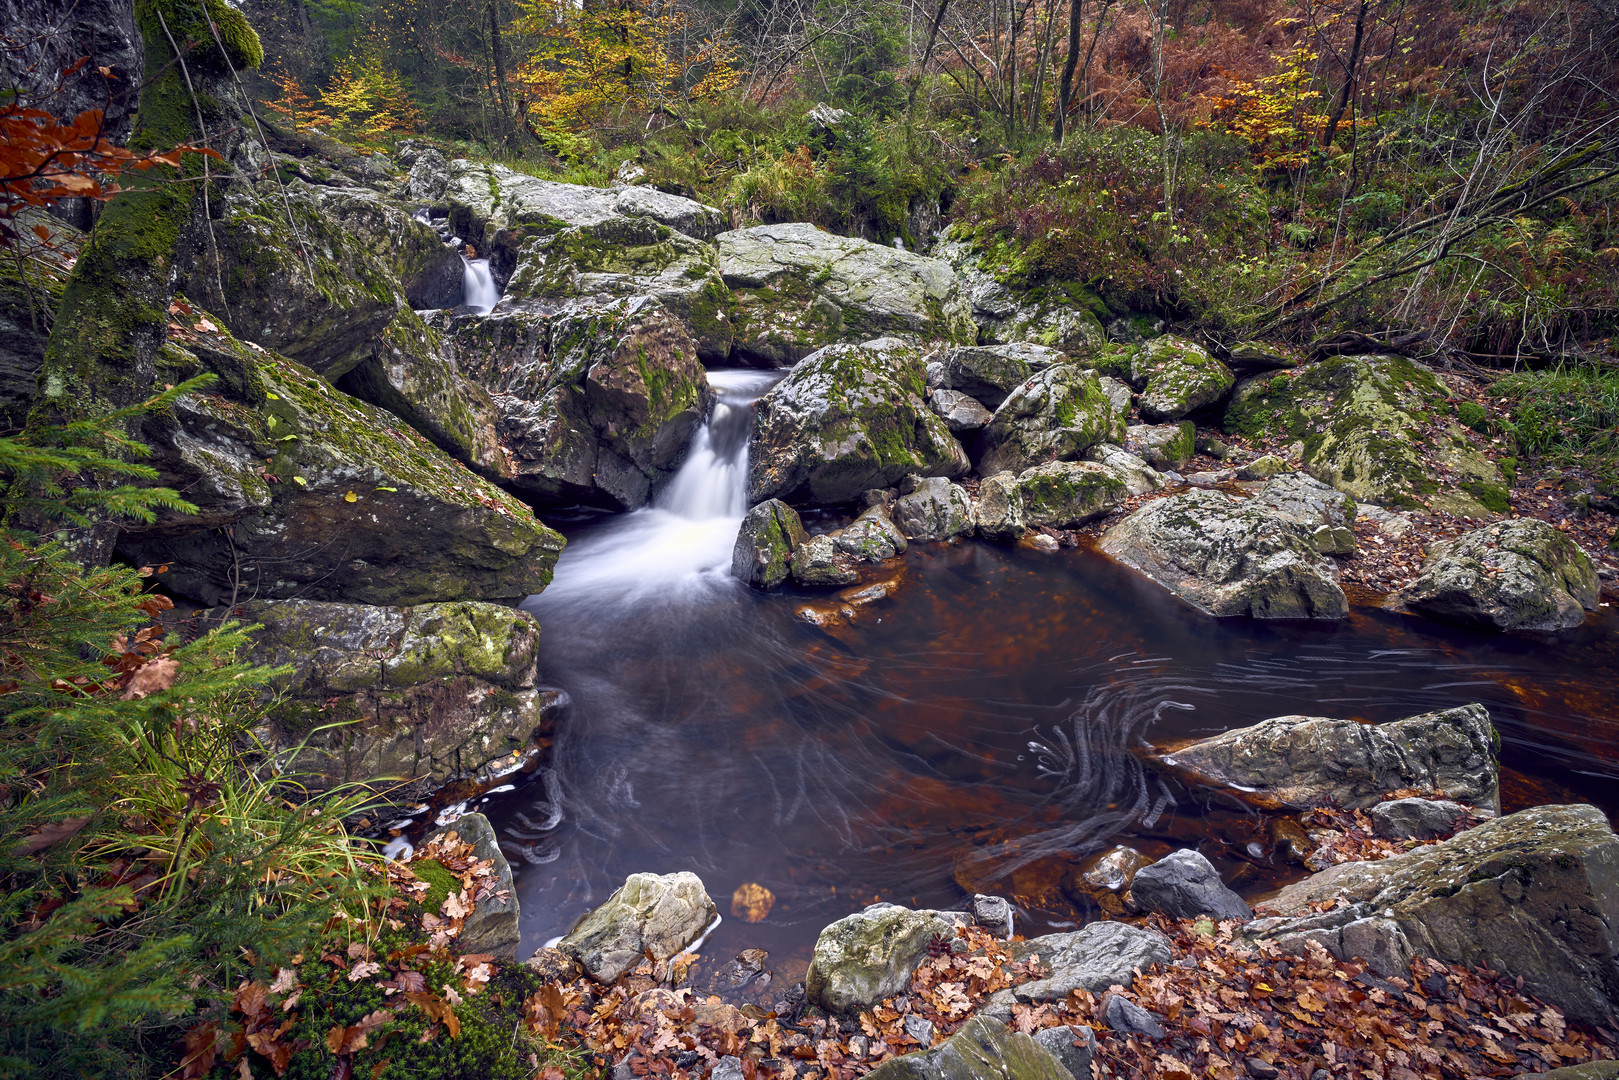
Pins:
x: 1128, y: 1018
x: 919, y: 1029
x: 1415, y: 818
x: 745, y: 967
x: 998, y: 513
x: 1163, y: 446
x: 47, y: 39
x: 660, y: 914
x: 1532, y: 894
x: 1302, y: 761
x: 328, y: 498
x: 871, y: 537
x: 817, y: 561
x: 597, y: 401
x: 1366, y: 426
x: 1514, y: 575
x: 981, y: 1050
x: 492, y: 926
x: 1073, y: 1045
x: 429, y: 176
x: 1139, y: 477
x: 1098, y: 956
x: 431, y: 692
x: 1326, y: 512
x: 1178, y: 378
x: 1228, y: 556
x: 1262, y: 468
x: 935, y: 509
x: 1184, y: 885
x: 1106, y: 877
x: 411, y: 250
x: 1591, y: 1070
x: 769, y: 536
x: 960, y: 413
x: 728, y: 1067
x: 1260, y: 1069
x: 1067, y: 318
x: 989, y: 373
x: 1056, y: 414
x: 993, y: 913
x: 797, y: 289
x: 1066, y: 494
x: 27, y: 308
x: 848, y: 418
x: 870, y: 955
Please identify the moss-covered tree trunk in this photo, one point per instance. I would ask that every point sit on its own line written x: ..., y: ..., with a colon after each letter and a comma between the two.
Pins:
x: 113, y: 318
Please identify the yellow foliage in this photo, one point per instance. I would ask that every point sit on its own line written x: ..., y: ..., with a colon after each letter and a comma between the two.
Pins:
x: 1272, y: 115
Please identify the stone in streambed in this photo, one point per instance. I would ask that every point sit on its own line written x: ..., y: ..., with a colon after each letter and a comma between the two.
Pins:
x: 1055, y: 414
x: 1178, y: 378
x: 817, y: 561
x: 934, y: 509
x: 1073, y: 1045
x: 982, y: 1049
x: 492, y: 926
x: 770, y: 534
x: 1303, y: 761
x: 962, y: 414
x: 1128, y: 1018
x: 1163, y: 446
x: 998, y: 513
x: 1139, y: 477
x: 1094, y: 958
x: 660, y: 914
x: 1184, y: 885
x: 1065, y: 494
x: 1514, y: 575
x: 1415, y: 818
x: 1326, y: 512
x: 989, y: 373
x: 870, y: 955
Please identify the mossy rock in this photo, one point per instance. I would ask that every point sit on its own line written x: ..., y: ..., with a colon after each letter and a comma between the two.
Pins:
x: 1058, y: 413
x: 1177, y: 378
x: 1514, y: 575
x: 1066, y: 494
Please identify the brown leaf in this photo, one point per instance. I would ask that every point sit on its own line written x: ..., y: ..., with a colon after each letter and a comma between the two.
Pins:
x: 150, y: 677
x: 439, y: 1009
x: 50, y: 834
x: 201, y: 1049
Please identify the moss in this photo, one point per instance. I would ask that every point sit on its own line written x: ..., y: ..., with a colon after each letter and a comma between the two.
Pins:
x: 1493, y: 497
x: 1473, y: 415
x: 440, y: 883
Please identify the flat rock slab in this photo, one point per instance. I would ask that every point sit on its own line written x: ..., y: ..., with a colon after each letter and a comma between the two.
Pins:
x: 982, y: 1050
x: 1303, y: 761
x: 1534, y: 894
x: 1230, y: 556
x: 1096, y: 957
x: 1513, y: 575
x: 660, y: 914
x: 492, y: 926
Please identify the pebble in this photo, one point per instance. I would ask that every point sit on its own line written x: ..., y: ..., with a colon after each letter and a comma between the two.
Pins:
x: 1260, y: 1069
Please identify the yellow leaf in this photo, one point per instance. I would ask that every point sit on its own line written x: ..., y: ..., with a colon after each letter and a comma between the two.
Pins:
x: 349, y: 496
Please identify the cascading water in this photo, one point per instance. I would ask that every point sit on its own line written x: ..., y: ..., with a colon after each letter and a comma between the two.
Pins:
x: 478, y: 289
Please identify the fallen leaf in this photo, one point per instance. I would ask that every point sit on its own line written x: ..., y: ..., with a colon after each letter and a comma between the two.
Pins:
x: 50, y: 834
x: 154, y: 675
x: 752, y: 902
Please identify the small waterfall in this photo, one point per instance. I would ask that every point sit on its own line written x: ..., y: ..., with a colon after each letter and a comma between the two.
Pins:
x: 478, y: 285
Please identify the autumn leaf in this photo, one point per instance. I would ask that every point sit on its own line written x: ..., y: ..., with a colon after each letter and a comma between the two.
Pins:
x: 454, y: 907
x: 752, y: 902
x: 285, y: 980
x: 152, y: 676
x: 201, y: 1049
x: 364, y: 970
x: 439, y: 1009
x: 53, y: 833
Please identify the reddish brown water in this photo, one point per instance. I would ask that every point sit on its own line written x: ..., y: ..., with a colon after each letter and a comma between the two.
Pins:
x: 975, y: 731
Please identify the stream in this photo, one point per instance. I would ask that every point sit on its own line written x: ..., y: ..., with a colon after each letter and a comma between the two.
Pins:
x: 978, y: 730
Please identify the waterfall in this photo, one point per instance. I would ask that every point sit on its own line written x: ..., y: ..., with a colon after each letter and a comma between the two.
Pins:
x: 478, y: 285
x: 679, y: 547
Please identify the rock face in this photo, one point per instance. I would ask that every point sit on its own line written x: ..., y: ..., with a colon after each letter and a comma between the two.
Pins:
x: 848, y: 418
x: 492, y: 926
x: 1229, y: 556
x: 870, y: 955
x: 982, y: 1050
x: 797, y: 289
x: 1302, y: 761
x: 1100, y: 955
x: 1177, y: 377
x: 424, y: 693
x: 352, y: 505
x: 1065, y: 494
x: 769, y: 536
x: 1514, y: 575
x: 988, y: 373
x: 1055, y: 414
x: 934, y: 509
x: 661, y: 914
x: 597, y: 400
x: 1367, y: 423
x: 1534, y: 894
x: 1184, y: 885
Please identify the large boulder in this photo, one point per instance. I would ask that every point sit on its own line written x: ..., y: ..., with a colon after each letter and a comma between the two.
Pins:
x: 847, y: 419
x: 303, y: 491
x: 1100, y: 955
x: 870, y: 955
x: 411, y: 250
x: 1065, y: 494
x: 961, y: 413
x: 1177, y: 378
x: 1534, y: 895
x: 988, y: 373
x: 597, y: 401
x: 1054, y: 415
x: 1138, y: 476
x: 983, y: 1049
x: 1229, y: 556
x: 491, y: 928
x: 998, y: 513
x: 1184, y: 885
x: 649, y: 913
x: 1514, y: 575
x: 1163, y: 446
x: 1302, y: 761
x: 770, y: 534
x: 797, y: 289
x: 1374, y: 427
x: 425, y: 693
x: 1062, y: 316
x: 1327, y: 513
x: 933, y: 509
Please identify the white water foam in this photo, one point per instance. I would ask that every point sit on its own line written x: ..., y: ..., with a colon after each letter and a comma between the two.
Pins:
x: 478, y: 289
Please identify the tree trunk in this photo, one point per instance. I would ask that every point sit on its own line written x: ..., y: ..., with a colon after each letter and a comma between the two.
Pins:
x: 1349, y: 77
x: 1065, y: 92
x: 927, y: 54
x: 499, y: 59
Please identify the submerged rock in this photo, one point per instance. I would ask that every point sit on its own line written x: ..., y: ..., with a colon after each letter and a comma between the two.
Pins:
x: 934, y: 509
x: 765, y: 544
x: 1303, y: 761
x: 1065, y: 494
x: 1229, y: 556
x: 1055, y: 414
x: 1184, y: 885
x: 797, y: 289
x: 847, y: 419
x: 870, y: 955
x: 1098, y: 956
x: 492, y: 927
x: 1515, y: 575
x: 982, y: 1049
x: 1532, y: 895
x: 424, y: 693
x: 649, y: 913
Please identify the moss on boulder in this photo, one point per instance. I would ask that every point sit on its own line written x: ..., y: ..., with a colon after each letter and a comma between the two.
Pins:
x: 1055, y: 414
x: 1177, y: 378
x: 1065, y: 494
x: 1513, y: 575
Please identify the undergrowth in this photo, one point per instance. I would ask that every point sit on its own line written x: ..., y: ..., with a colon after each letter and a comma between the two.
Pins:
x: 1567, y: 416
